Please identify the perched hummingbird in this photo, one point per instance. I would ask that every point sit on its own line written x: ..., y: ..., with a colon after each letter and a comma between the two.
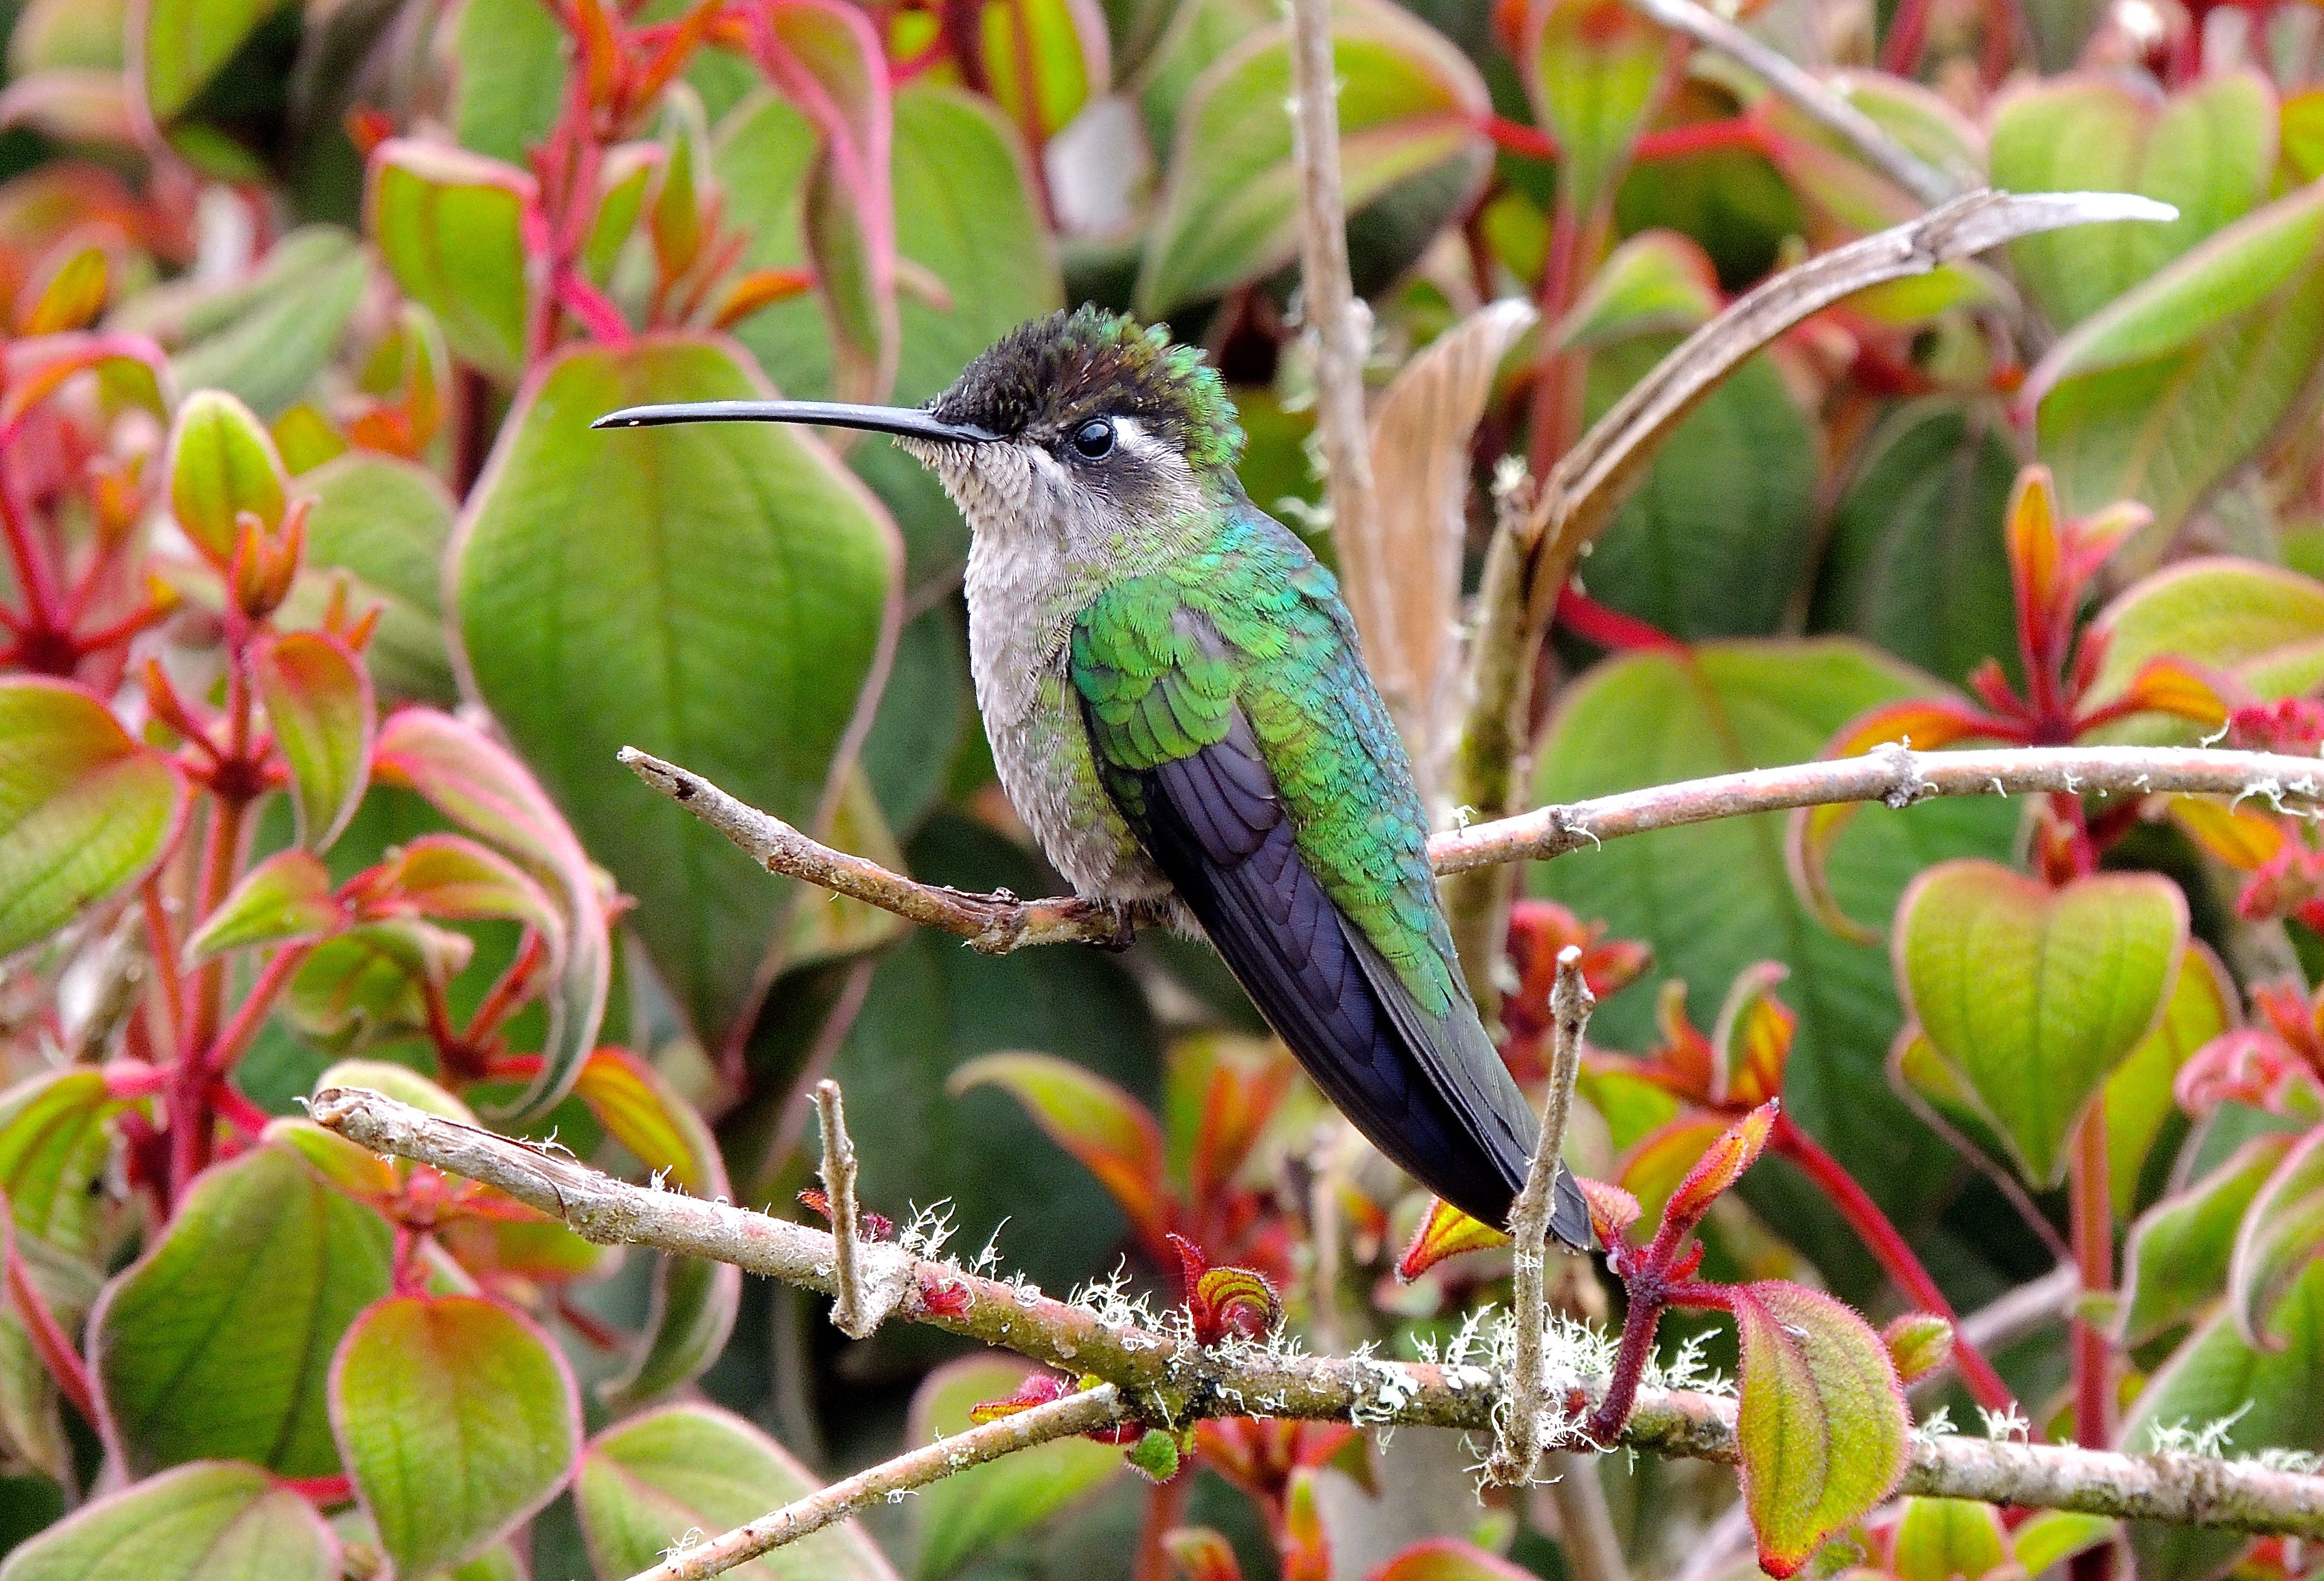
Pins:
x: 1178, y: 709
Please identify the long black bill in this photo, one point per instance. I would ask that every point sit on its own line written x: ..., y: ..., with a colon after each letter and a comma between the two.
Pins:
x: 908, y: 422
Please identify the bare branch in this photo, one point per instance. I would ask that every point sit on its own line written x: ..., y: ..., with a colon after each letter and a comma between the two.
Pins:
x: 999, y: 923
x: 1166, y: 1380
x: 1339, y: 331
x: 1811, y: 97
x: 1521, y: 1438
x: 848, y: 1311
x: 1100, y: 1407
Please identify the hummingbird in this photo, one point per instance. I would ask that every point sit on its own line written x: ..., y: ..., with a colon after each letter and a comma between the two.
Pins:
x: 1178, y: 708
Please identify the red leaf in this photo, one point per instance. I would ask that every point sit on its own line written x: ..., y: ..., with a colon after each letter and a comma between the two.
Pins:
x: 1612, y: 1210
x: 1752, y: 1039
x: 1445, y: 1232
x: 1201, y: 1554
x: 1720, y: 1167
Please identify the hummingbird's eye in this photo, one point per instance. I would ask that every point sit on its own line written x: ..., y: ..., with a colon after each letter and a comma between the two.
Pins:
x: 1093, y: 440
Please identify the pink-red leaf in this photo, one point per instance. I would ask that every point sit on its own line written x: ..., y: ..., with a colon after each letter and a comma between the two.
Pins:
x: 1720, y: 1166
x: 1445, y: 1232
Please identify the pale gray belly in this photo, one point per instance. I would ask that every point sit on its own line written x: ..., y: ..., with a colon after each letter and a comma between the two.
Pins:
x: 1044, y: 758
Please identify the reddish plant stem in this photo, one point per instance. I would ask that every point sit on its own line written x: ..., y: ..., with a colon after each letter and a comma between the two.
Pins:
x: 1888, y: 1248
x: 1165, y: 1507
x: 34, y: 575
x: 1557, y: 381
x: 322, y: 1492
x: 234, y: 1040
x: 1638, y: 1347
x: 163, y: 939
x: 508, y: 994
x: 1908, y: 36
x: 48, y: 1336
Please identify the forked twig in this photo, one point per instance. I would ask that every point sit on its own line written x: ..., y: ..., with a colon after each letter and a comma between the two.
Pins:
x: 1101, y: 1407
x: 1520, y: 1440
x: 849, y: 1313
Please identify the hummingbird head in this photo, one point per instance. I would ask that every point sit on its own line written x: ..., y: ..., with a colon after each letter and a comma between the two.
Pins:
x: 1068, y: 422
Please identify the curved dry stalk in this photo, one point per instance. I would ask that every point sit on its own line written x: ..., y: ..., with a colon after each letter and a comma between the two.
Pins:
x: 850, y: 1312
x: 1794, y: 83
x: 1165, y: 1380
x: 1101, y: 1407
x: 999, y: 923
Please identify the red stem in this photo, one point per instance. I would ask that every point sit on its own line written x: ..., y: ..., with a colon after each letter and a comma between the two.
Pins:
x: 2093, y: 1219
x: 1556, y: 391
x: 164, y: 940
x: 1888, y: 1248
x: 233, y: 1042
x: 31, y: 567
x: 505, y: 997
x: 1908, y: 36
x: 1638, y: 1347
x: 48, y: 1337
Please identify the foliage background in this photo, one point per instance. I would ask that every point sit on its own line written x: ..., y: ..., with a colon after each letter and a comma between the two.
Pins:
x: 412, y: 248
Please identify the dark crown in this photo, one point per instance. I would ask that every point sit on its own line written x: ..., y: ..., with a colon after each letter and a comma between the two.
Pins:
x: 1054, y: 373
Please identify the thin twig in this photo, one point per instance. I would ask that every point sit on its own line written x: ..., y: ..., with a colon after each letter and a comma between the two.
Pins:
x: 1812, y: 98
x: 1167, y: 1380
x: 1100, y: 1407
x: 1339, y: 327
x: 1521, y: 1438
x: 848, y: 1308
x: 999, y: 923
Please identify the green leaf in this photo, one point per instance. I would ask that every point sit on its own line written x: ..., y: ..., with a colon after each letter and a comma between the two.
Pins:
x: 721, y: 605
x: 451, y: 226
x: 1409, y: 103
x: 208, y: 1523
x: 214, y: 1345
x: 365, y: 986
x: 1939, y: 1540
x: 84, y: 810
x: 1059, y: 44
x: 294, y: 314
x: 2175, y: 1263
x: 2242, y: 1401
x: 760, y: 156
x: 286, y: 896
x: 454, y: 879
x: 222, y: 463
x: 1914, y: 560
x: 474, y: 781
x: 692, y: 1469
x: 1647, y: 719
x: 1447, y: 1558
x: 1107, y: 1131
x: 2050, y: 1536
x: 184, y: 42
x: 55, y: 1146
x: 965, y: 214
x: 2280, y: 1238
x: 318, y: 703
x: 1660, y: 283
x: 2179, y: 381
x: 2139, y: 1102
x: 965, y: 1515
x: 509, y: 84
x: 2208, y: 150
x: 1591, y: 68
x: 458, y: 1418
x: 2263, y: 626
x: 2037, y: 996
x: 381, y: 524
x: 1821, y: 1428
x: 1716, y: 538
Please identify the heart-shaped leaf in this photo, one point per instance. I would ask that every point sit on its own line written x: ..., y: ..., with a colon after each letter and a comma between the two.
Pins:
x: 318, y: 703
x: 1652, y: 719
x: 286, y: 896
x: 964, y: 1515
x: 1591, y: 68
x: 1107, y: 1130
x: 1821, y: 1428
x: 2036, y: 995
x: 649, y: 1483
x: 84, y: 810
x: 2280, y: 1238
x: 1410, y: 103
x: 458, y: 1418
x: 714, y: 594
x: 2208, y: 150
x: 215, y: 1344
x: 2176, y: 1261
x: 213, y: 1521
x: 452, y: 228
